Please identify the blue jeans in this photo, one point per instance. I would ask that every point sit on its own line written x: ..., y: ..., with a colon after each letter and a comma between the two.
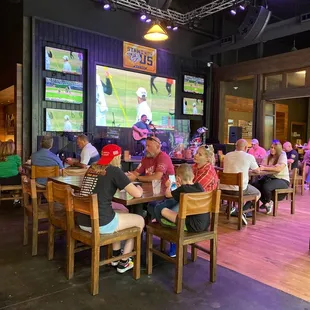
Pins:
x: 171, y: 204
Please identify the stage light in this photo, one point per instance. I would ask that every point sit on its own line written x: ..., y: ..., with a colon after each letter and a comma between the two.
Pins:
x: 169, y: 27
x: 233, y: 12
x: 156, y: 33
x: 148, y: 20
x: 143, y: 17
x: 242, y: 7
x: 106, y: 5
x: 175, y: 28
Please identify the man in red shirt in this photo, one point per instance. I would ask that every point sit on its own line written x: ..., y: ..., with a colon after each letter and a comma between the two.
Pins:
x: 156, y: 165
x: 169, y: 83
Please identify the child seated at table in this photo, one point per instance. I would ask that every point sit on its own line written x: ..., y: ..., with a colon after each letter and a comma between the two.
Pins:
x: 167, y: 212
x: 184, y: 180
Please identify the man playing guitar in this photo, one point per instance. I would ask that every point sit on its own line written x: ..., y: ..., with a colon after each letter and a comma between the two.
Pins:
x: 141, y: 130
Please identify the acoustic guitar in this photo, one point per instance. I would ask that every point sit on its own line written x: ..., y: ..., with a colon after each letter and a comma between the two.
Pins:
x: 141, y: 134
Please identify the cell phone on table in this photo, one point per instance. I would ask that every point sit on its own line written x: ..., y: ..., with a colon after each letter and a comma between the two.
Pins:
x: 173, y: 182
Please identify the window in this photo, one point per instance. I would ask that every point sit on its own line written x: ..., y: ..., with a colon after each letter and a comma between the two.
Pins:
x: 273, y: 82
x: 296, y: 79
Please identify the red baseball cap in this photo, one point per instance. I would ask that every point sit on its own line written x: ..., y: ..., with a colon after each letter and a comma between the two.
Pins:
x: 108, y: 152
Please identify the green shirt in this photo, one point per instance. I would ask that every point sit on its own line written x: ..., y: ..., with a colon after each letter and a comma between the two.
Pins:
x: 9, y: 168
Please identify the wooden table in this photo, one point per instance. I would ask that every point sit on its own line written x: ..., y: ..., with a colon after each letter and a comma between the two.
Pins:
x: 120, y: 196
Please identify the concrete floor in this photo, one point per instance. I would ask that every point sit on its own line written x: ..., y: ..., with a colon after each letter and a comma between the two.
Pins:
x: 28, y: 282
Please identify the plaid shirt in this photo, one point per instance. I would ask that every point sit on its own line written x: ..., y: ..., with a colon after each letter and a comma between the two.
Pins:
x: 206, y: 176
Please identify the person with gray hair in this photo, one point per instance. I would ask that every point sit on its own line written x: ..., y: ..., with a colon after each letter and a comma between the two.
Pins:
x: 89, y: 153
x: 45, y: 158
x: 241, y: 161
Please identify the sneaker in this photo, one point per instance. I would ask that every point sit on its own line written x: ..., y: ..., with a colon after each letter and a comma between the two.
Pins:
x: 244, y: 220
x: 234, y: 211
x: 173, y: 250
x: 262, y: 207
x: 115, y: 264
x: 249, y: 214
x: 124, y: 266
x: 269, y: 208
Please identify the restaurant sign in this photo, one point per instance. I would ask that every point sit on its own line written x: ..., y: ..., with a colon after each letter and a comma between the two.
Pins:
x: 139, y: 57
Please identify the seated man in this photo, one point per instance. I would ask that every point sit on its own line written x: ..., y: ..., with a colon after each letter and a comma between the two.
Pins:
x: 156, y: 165
x: 89, y: 153
x: 141, y: 130
x: 257, y: 151
x: 292, y: 155
x: 45, y: 158
x: 241, y: 161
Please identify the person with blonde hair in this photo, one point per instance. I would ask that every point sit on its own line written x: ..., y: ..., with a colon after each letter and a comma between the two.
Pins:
x: 10, y: 165
x: 203, y: 168
x: 104, y: 178
x: 276, y: 162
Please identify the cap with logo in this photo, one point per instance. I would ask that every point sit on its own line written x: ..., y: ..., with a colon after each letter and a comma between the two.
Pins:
x: 108, y: 153
x: 141, y: 92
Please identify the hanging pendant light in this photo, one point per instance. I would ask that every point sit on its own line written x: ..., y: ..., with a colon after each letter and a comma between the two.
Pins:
x: 156, y: 33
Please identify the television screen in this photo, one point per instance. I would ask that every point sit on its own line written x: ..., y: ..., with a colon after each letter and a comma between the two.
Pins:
x: 64, y: 120
x: 63, y: 90
x: 122, y: 97
x: 63, y: 60
x: 193, y: 84
x: 192, y: 106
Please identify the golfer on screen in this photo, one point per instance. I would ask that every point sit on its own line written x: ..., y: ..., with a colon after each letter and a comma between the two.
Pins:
x: 142, y: 106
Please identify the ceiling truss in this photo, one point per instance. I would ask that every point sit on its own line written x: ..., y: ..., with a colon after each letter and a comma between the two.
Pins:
x: 182, y: 19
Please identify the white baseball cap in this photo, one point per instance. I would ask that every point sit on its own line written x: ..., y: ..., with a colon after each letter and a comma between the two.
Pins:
x: 141, y: 92
x: 65, y: 58
x: 66, y: 117
x: 254, y: 141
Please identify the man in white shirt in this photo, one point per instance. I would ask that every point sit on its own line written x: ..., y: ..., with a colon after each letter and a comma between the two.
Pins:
x: 142, y: 107
x: 241, y: 161
x: 89, y: 153
x: 67, y: 66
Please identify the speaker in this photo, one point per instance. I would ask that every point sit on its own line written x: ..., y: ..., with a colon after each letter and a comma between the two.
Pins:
x: 160, y: 4
x: 254, y: 23
x: 235, y: 133
x: 55, y: 147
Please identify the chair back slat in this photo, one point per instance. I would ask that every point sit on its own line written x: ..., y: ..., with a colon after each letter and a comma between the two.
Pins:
x: 29, y: 187
x: 231, y: 178
x: 294, y: 177
x: 57, y: 192
x: 87, y: 205
x: 44, y: 172
x: 198, y: 203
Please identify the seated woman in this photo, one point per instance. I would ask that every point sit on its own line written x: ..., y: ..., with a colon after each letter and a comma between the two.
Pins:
x: 10, y: 166
x: 276, y: 163
x: 104, y: 178
x: 203, y: 168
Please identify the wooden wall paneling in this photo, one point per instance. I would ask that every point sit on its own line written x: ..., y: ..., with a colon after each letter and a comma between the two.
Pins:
x: 281, y: 122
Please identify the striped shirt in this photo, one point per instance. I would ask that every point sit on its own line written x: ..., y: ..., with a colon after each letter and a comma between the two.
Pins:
x: 206, y: 176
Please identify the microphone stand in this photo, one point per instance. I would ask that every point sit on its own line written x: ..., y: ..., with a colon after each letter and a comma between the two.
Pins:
x: 113, y: 123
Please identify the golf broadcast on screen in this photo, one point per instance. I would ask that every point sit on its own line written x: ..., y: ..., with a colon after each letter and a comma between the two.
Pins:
x: 65, y: 61
x: 64, y: 120
x: 122, y: 97
x: 63, y: 91
x: 193, y: 84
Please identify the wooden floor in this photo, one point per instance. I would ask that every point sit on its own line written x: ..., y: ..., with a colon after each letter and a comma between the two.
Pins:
x: 275, y: 251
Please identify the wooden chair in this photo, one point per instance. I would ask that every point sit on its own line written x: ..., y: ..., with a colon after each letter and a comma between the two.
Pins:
x: 89, y: 206
x: 10, y: 195
x: 73, y: 172
x: 57, y: 198
x: 236, y: 179
x: 300, y: 180
x: 32, y: 209
x: 289, y: 191
x: 43, y: 172
x: 190, y: 204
